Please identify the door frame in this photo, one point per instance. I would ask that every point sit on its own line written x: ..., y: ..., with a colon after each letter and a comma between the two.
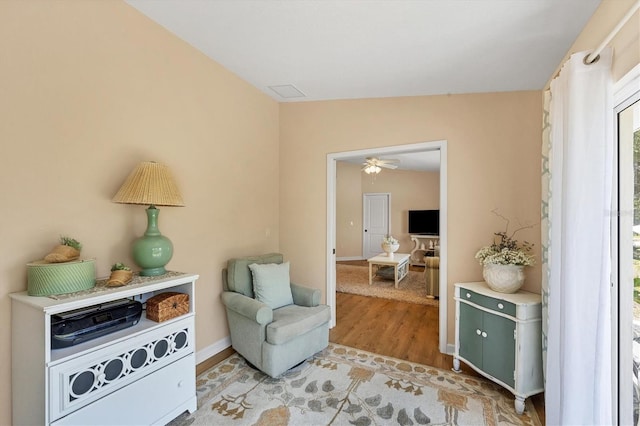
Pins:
x: 364, y: 215
x: 625, y: 94
x: 332, y: 158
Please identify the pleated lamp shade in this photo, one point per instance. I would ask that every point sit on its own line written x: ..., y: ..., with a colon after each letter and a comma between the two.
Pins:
x: 150, y: 183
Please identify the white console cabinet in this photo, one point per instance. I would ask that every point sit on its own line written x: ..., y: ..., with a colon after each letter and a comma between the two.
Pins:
x: 141, y: 375
x: 424, y: 245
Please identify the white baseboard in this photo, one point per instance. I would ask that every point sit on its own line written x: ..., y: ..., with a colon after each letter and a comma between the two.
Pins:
x: 217, y: 347
x: 451, y: 349
x: 206, y: 353
x: 350, y: 258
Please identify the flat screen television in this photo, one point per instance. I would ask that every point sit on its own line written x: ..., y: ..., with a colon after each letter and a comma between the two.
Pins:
x: 424, y: 222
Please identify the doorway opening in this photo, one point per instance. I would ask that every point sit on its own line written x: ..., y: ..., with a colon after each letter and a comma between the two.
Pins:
x: 332, y: 159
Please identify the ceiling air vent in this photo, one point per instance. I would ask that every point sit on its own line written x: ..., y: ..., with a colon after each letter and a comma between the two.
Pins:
x: 287, y: 91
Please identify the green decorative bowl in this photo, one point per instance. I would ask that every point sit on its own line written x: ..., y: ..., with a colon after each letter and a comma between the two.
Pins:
x: 45, y: 279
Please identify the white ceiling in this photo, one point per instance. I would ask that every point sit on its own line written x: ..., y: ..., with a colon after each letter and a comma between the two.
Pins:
x: 424, y: 161
x: 345, y: 49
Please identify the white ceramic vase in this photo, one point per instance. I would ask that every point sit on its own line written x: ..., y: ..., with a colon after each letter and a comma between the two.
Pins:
x: 503, y: 278
x: 390, y: 248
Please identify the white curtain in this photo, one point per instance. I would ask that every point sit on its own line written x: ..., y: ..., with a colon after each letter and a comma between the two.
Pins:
x: 577, y: 285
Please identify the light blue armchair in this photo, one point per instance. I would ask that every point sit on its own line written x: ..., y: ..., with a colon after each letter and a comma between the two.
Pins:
x: 273, y: 338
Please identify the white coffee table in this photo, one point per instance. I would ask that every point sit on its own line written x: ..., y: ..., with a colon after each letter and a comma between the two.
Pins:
x: 399, y: 261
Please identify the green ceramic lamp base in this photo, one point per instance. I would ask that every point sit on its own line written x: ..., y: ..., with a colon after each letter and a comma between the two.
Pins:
x: 152, y: 251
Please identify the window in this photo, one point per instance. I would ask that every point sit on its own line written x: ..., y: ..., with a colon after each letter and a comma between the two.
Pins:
x: 626, y: 233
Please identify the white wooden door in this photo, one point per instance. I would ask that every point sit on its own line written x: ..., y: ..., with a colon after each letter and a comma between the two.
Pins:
x: 375, y: 221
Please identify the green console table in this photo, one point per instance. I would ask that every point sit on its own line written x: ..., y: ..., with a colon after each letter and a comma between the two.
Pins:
x: 499, y: 336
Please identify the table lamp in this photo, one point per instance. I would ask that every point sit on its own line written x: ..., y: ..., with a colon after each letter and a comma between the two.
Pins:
x: 151, y: 184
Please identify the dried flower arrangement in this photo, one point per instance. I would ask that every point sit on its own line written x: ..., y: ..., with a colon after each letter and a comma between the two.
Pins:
x: 506, y: 250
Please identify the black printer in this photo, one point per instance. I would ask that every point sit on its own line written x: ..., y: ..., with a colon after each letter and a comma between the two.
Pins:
x: 75, y: 327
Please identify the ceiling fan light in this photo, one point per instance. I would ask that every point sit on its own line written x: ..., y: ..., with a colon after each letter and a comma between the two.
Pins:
x: 372, y: 169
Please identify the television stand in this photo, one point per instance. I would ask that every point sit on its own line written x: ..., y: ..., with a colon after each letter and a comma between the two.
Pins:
x: 424, y: 245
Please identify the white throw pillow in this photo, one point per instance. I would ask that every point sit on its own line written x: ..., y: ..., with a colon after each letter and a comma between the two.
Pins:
x: 271, y: 284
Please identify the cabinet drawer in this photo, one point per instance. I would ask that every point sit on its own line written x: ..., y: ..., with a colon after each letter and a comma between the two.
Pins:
x: 80, y: 381
x: 144, y: 402
x: 497, y: 305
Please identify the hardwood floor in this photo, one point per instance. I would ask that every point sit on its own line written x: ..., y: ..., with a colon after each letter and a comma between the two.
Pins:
x: 398, y: 329
x: 210, y: 362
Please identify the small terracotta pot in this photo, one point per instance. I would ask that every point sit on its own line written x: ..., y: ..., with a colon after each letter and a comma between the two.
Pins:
x: 119, y: 278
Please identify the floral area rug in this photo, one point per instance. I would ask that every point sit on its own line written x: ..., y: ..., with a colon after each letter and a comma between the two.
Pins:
x: 354, y: 279
x: 346, y: 386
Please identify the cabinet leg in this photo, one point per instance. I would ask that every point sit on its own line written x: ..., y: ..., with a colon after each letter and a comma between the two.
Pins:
x: 456, y: 365
x: 518, y: 403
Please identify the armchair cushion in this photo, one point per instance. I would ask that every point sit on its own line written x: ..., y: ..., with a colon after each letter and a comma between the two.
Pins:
x: 271, y: 284
x: 290, y: 322
x: 239, y: 276
x: 305, y: 296
x: 247, y: 307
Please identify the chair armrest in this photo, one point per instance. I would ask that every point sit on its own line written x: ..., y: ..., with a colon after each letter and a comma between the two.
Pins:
x: 305, y: 296
x: 247, y: 307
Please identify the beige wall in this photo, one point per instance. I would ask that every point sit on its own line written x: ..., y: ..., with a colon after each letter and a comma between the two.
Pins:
x: 493, y: 162
x: 494, y: 156
x: 348, y: 210
x: 625, y: 45
x: 410, y: 190
x: 87, y: 90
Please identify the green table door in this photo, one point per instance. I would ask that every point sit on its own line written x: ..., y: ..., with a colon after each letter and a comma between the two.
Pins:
x: 499, y: 348
x: 470, y: 323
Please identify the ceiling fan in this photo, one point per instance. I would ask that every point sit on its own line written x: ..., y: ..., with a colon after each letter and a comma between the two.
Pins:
x: 375, y: 165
